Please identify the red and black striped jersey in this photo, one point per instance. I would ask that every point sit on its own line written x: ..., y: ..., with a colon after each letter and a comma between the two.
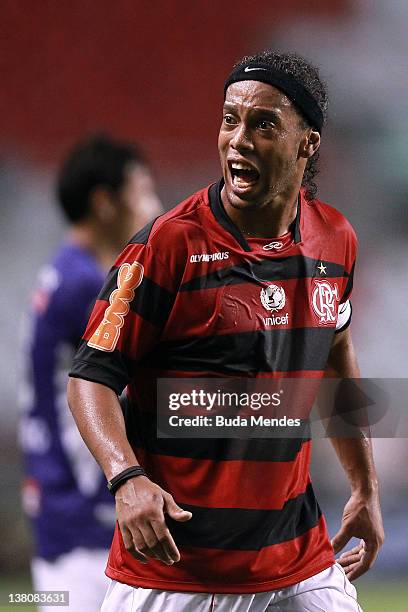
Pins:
x: 190, y: 296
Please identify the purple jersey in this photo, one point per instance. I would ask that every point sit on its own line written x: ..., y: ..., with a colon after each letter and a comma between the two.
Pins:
x: 65, y: 492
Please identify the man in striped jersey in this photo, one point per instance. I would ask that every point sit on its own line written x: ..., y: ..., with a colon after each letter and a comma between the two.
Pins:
x: 250, y: 277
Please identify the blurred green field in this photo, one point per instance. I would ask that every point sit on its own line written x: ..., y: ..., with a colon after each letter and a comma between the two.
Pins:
x: 384, y: 597
x: 375, y: 597
x: 16, y: 584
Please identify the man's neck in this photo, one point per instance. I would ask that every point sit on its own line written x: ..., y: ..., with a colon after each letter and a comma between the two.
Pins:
x: 269, y: 221
x: 87, y: 237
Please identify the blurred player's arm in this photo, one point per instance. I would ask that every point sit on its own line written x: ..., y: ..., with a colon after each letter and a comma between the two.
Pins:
x: 362, y: 513
x: 140, y: 503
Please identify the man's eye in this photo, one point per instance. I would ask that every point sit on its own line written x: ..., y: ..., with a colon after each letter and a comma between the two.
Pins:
x: 229, y: 119
x: 265, y: 125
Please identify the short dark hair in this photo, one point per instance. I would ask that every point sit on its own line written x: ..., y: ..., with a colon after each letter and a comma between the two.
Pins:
x: 98, y: 161
x: 308, y: 75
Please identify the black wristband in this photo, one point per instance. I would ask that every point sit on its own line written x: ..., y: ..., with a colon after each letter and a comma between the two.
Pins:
x: 122, y: 477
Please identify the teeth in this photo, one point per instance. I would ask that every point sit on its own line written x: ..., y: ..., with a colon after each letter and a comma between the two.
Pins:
x: 240, y: 182
x: 239, y: 166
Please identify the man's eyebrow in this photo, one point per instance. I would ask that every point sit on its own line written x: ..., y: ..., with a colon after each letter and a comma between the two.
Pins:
x: 267, y: 112
x: 229, y: 105
x: 273, y: 113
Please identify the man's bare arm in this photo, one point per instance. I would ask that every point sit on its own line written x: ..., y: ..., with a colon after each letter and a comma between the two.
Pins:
x: 362, y: 513
x: 140, y: 503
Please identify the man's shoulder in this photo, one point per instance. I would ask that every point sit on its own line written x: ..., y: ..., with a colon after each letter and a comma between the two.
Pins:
x: 70, y: 276
x: 180, y: 222
x: 70, y: 258
x: 330, y: 219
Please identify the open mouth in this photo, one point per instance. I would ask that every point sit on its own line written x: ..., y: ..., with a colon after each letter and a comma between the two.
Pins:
x: 243, y: 175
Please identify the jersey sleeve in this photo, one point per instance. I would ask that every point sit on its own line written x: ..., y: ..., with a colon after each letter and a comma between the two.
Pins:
x: 128, y: 317
x: 345, y: 309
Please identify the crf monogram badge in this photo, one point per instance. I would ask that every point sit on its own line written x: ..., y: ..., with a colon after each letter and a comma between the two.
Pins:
x: 323, y: 301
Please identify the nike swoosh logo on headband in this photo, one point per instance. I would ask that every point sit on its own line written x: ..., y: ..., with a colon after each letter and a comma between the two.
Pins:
x: 247, y: 69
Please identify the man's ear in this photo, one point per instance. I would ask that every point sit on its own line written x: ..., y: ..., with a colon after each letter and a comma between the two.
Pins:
x: 101, y: 205
x: 309, y: 144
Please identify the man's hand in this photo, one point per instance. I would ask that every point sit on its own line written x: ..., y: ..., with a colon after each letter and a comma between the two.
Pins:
x: 361, y: 519
x: 350, y: 557
x: 140, y: 508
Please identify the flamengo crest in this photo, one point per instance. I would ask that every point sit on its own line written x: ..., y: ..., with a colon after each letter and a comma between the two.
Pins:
x: 273, y: 298
x: 324, y: 298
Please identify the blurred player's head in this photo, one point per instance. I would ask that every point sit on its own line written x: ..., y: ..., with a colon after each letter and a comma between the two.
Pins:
x: 275, y: 108
x: 107, y: 183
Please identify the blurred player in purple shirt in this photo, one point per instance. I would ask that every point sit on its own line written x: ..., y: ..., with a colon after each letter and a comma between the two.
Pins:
x: 107, y: 193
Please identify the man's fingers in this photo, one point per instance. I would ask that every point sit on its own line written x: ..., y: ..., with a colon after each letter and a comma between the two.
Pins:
x: 340, y: 540
x: 356, y: 549
x: 143, y: 543
x: 350, y: 568
x: 130, y: 546
x: 144, y: 530
x: 356, y: 571
x: 152, y: 547
x: 171, y: 549
x: 366, y: 561
x: 173, y: 510
x: 351, y: 556
x: 164, y: 551
x: 346, y: 561
x: 166, y: 540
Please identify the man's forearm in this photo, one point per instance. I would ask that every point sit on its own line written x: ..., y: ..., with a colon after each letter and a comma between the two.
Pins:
x: 362, y: 513
x: 356, y: 457
x: 99, y: 418
x: 140, y: 503
x: 355, y: 454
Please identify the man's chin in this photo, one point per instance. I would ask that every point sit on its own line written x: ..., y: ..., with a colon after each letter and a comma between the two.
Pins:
x: 242, y: 199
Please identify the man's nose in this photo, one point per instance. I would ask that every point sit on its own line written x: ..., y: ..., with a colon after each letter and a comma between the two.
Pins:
x: 241, y: 138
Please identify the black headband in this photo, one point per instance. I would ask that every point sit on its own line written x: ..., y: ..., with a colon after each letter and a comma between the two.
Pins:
x: 305, y: 102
